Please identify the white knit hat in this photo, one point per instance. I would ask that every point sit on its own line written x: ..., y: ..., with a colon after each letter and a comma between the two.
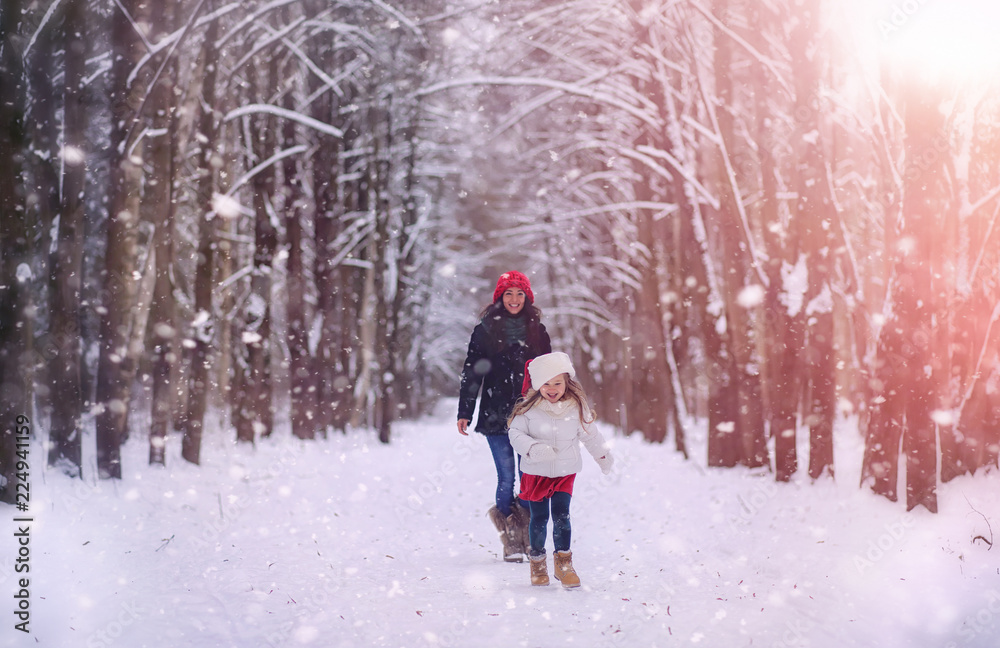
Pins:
x: 546, y: 367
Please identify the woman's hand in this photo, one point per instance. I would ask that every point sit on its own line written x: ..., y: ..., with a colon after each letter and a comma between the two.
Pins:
x: 463, y: 426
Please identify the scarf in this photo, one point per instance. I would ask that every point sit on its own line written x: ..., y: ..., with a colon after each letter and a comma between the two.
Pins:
x: 515, y: 328
x: 558, y: 409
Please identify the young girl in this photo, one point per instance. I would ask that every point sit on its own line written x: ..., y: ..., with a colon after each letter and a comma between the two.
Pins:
x: 546, y: 429
x: 509, y: 333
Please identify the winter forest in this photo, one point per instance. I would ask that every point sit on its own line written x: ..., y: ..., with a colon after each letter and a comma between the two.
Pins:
x: 753, y: 217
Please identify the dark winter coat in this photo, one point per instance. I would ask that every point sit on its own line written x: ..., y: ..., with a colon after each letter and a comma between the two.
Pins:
x: 495, y: 362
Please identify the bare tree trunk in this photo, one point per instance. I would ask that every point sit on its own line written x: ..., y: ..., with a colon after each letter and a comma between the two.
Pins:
x: 886, y: 416
x: 723, y: 444
x: 118, y: 295
x: 162, y: 326
x: 203, y: 334
x: 814, y: 213
x: 366, y: 362
x: 679, y: 311
x: 256, y: 414
x: 15, y: 396
x: 65, y: 437
x: 303, y: 395
x: 905, y: 369
x: 325, y: 361
x: 973, y: 441
x: 654, y: 406
x: 782, y: 332
x: 650, y: 406
x: 326, y: 166
x: 407, y: 299
x: 384, y: 254
x: 41, y: 209
x: 919, y: 303
x: 225, y: 307
x: 253, y: 413
x: 745, y: 425
x: 349, y: 308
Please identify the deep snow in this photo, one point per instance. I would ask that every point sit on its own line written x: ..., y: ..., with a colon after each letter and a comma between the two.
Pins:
x: 348, y: 542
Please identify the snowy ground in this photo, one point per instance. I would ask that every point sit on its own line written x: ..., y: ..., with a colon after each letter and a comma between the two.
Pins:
x: 346, y: 542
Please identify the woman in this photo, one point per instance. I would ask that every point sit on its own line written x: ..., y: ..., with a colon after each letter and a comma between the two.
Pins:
x: 509, y: 333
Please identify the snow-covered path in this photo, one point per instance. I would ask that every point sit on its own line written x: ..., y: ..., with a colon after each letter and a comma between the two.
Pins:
x: 347, y: 542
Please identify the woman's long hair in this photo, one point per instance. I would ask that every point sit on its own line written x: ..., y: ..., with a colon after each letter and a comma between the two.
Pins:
x: 574, y: 390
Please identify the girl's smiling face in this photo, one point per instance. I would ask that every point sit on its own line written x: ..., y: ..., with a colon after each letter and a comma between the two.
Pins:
x: 513, y: 300
x: 553, y: 390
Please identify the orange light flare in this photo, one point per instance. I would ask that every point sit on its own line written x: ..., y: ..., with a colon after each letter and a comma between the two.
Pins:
x: 936, y: 59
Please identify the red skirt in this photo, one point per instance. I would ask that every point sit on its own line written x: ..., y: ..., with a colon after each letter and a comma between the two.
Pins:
x: 536, y: 489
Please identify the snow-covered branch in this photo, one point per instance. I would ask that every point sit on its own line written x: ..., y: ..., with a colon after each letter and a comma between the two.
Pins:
x: 284, y: 113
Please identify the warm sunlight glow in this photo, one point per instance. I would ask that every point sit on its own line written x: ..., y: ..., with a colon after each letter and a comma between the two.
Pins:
x: 941, y: 40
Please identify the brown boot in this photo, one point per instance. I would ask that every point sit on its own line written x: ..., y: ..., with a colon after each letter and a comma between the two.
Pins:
x: 539, y: 570
x: 564, y: 571
x: 510, y: 552
x: 517, y: 528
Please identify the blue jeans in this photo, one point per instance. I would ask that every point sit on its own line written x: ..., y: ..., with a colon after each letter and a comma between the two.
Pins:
x: 504, y: 458
x: 561, y: 530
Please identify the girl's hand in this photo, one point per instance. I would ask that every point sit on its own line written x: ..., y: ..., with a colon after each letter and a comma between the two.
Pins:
x: 463, y: 426
x: 542, y: 452
x: 605, y: 462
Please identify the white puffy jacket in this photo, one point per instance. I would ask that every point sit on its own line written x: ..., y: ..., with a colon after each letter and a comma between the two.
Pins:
x: 548, y: 438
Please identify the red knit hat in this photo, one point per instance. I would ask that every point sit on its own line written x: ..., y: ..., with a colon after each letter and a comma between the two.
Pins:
x: 513, y: 279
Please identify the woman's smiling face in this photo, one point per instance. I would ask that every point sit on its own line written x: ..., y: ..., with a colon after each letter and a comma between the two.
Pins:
x: 513, y: 300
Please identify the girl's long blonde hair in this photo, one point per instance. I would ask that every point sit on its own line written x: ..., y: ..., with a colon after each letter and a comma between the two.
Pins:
x: 574, y: 390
